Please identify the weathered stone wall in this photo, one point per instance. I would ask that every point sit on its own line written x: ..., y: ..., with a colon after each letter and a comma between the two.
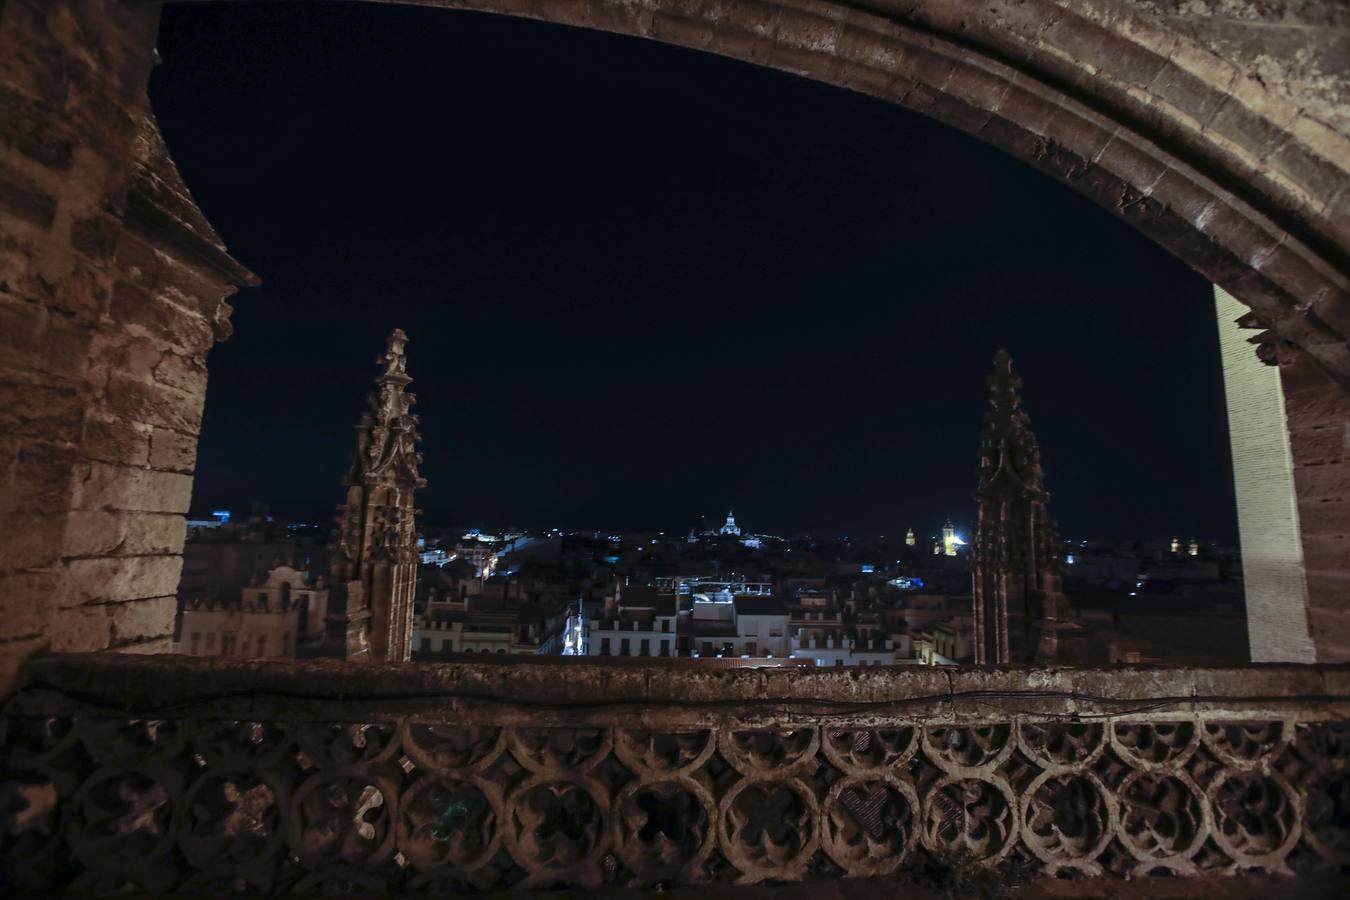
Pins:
x: 111, y: 292
x: 72, y: 97
x: 1300, y: 49
x: 1319, y: 438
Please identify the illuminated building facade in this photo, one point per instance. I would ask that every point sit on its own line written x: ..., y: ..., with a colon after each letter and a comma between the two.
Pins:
x: 636, y: 621
x: 374, y: 568
x: 744, y: 625
x: 950, y: 541
x: 909, y: 538
x: 1016, y: 582
x: 730, y: 527
x: 268, y: 620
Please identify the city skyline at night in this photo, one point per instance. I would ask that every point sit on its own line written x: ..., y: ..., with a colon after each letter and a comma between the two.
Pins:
x: 632, y: 302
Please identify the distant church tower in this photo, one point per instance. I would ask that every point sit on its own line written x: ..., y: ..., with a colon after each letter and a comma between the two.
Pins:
x: 374, y: 568
x: 909, y: 538
x: 1015, y: 576
x: 949, y: 538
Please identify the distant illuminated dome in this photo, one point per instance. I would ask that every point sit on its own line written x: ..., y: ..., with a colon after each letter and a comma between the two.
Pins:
x: 909, y: 538
x: 1194, y: 548
x: 731, y: 527
x: 1176, y: 545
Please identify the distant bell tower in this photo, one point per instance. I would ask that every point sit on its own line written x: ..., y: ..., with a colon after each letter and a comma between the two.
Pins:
x: 909, y: 538
x: 1016, y: 583
x: 949, y: 539
x: 374, y: 568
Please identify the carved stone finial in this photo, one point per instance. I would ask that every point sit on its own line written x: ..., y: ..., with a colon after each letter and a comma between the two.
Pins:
x: 1015, y: 575
x: 375, y: 562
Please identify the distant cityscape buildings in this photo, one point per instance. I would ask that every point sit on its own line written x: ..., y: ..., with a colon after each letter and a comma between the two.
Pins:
x: 716, y: 596
x: 273, y: 619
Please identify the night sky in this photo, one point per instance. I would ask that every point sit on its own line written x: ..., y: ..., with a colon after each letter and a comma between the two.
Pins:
x: 643, y: 284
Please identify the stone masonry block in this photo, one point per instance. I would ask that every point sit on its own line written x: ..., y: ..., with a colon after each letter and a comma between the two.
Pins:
x: 31, y: 128
x: 173, y: 451
x: 32, y: 539
x: 43, y: 475
x: 26, y: 602
x: 1324, y: 517
x: 96, y: 236
x: 185, y: 374
x: 141, y: 619
x: 44, y: 410
x: 93, y: 532
x: 160, y: 274
x: 154, y: 533
x: 10, y: 448
x: 22, y: 201
x: 116, y: 440
x: 13, y: 654
x: 120, y: 579
x: 119, y: 487
x: 155, y: 404
x: 79, y: 291
x: 23, y: 323
x: 82, y: 629
x: 66, y: 349
x: 1323, y: 482
x: 147, y: 314
x: 1331, y: 630
x: 1327, y: 443
x: 1327, y: 553
x: 150, y: 645
x: 132, y: 356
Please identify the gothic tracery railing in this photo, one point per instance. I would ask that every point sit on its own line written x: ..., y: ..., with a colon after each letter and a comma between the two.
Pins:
x: 462, y: 788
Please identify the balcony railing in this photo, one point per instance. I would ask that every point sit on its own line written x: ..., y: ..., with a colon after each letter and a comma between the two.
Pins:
x: 173, y: 774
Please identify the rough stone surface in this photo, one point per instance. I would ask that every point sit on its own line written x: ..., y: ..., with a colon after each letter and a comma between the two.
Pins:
x: 111, y: 288
x: 293, y: 778
x: 1319, y: 438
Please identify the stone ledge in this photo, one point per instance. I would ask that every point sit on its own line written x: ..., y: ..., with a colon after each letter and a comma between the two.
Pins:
x: 547, y: 690
x: 166, y: 781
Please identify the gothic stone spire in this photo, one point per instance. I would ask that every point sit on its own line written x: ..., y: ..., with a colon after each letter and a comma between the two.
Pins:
x: 1015, y: 576
x: 1009, y: 449
x: 375, y: 562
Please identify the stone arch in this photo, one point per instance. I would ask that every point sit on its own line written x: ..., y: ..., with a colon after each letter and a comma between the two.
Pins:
x: 1192, y: 121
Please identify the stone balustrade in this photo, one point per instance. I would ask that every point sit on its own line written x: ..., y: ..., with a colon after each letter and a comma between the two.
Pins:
x: 191, y: 775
